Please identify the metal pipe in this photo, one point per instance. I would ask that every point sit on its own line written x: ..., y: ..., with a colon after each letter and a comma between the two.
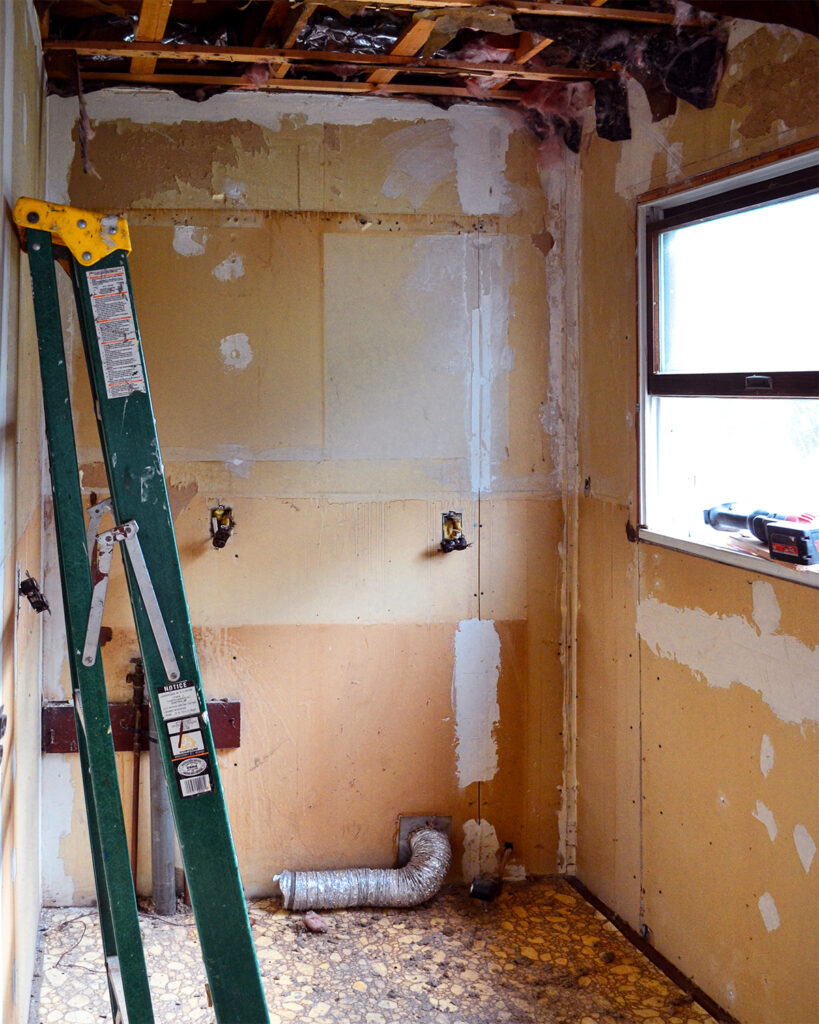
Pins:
x: 137, y: 680
x: 417, y: 881
x: 163, y: 871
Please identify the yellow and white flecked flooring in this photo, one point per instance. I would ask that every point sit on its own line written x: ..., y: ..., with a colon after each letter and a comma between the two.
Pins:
x: 538, y: 954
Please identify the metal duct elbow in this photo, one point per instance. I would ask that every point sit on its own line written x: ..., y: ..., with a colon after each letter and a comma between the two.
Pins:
x: 417, y: 881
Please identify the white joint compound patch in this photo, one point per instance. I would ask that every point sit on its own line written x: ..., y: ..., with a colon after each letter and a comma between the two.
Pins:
x: 766, y: 613
x: 480, y: 158
x: 770, y: 915
x: 230, y: 268
x: 189, y: 240
x: 236, y: 351
x: 421, y: 157
x: 475, y: 699
x: 727, y: 649
x: 766, y: 756
x: 805, y: 846
x: 765, y: 815
x: 481, y: 849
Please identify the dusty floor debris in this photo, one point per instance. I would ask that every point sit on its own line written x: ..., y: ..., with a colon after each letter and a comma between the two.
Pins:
x: 539, y: 954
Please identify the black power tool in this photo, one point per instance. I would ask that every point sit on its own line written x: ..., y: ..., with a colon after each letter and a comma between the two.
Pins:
x: 790, y: 538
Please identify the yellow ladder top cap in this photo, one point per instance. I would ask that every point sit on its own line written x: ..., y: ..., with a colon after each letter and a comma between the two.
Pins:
x: 88, y: 236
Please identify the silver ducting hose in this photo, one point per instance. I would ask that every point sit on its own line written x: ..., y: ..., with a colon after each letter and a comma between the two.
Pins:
x: 420, y: 878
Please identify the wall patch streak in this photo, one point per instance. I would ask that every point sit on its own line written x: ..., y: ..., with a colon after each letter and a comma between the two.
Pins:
x: 766, y: 756
x: 805, y: 846
x: 236, y: 351
x: 475, y: 699
x: 189, y: 240
x: 481, y: 849
x: 727, y: 649
x: 770, y: 915
x: 765, y: 815
x: 230, y: 268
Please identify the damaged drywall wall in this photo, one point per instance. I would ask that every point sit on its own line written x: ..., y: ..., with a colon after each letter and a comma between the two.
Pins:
x: 344, y: 321
x: 696, y: 709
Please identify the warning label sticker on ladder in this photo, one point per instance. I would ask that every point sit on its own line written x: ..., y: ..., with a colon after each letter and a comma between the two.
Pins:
x: 179, y: 705
x: 116, y: 331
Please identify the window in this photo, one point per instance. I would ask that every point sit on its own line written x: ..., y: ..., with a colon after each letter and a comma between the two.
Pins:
x: 730, y: 367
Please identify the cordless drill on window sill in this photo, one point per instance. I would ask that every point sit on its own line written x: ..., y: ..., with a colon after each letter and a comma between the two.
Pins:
x: 789, y: 538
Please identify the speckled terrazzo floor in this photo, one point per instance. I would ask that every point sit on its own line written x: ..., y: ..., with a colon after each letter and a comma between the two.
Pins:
x: 539, y: 954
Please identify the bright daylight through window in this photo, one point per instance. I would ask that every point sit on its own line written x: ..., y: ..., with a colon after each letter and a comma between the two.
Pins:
x: 730, y: 375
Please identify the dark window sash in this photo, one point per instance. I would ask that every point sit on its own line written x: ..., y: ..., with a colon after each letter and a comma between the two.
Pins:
x: 754, y: 384
x: 762, y: 384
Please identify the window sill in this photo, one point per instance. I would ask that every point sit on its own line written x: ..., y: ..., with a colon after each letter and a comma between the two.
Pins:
x: 806, y: 575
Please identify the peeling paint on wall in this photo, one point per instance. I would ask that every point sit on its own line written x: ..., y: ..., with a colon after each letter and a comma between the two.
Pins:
x: 770, y: 915
x: 805, y: 846
x: 189, y: 240
x: 236, y: 351
x: 475, y: 699
x: 727, y: 649
x: 765, y: 815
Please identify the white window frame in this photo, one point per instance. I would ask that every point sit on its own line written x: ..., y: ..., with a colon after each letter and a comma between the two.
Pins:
x: 648, y: 404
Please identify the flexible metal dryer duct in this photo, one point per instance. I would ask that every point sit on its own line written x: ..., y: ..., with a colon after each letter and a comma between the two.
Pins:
x: 417, y: 881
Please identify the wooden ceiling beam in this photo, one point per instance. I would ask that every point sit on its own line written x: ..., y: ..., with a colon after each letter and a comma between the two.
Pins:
x: 295, y: 29
x: 275, y: 18
x: 531, y: 7
x: 290, y: 85
x: 411, y: 41
x: 245, y: 55
x: 153, y: 19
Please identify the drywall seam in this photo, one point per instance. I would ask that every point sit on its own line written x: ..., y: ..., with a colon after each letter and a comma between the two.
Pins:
x: 491, y: 361
x: 727, y: 649
x: 475, y: 700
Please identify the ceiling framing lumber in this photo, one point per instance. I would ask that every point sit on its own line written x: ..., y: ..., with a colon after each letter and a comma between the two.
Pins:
x: 153, y: 18
x: 244, y: 55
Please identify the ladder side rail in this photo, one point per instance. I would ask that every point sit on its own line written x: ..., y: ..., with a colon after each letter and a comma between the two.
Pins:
x: 109, y: 848
x: 138, y: 491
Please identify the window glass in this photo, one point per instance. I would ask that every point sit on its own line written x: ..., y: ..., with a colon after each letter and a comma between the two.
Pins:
x: 740, y: 293
x: 760, y: 454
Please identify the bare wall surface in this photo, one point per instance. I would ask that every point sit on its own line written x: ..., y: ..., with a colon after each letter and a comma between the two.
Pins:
x: 21, y: 476
x: 697, y: 707
x: 345, y: 319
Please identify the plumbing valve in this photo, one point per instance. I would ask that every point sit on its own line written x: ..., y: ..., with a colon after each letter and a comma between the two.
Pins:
x: 452, y: 534
x: 222, y: 525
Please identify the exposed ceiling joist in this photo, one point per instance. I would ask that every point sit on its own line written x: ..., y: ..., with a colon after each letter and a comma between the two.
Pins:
x: 153, y: 19
x: 552, y: 59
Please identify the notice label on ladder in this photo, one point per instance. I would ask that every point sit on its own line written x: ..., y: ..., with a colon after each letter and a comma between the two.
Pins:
x: 183, y: 722
x: 116, y: 331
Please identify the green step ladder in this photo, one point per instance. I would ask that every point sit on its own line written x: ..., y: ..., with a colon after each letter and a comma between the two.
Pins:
x: 94, y: 250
